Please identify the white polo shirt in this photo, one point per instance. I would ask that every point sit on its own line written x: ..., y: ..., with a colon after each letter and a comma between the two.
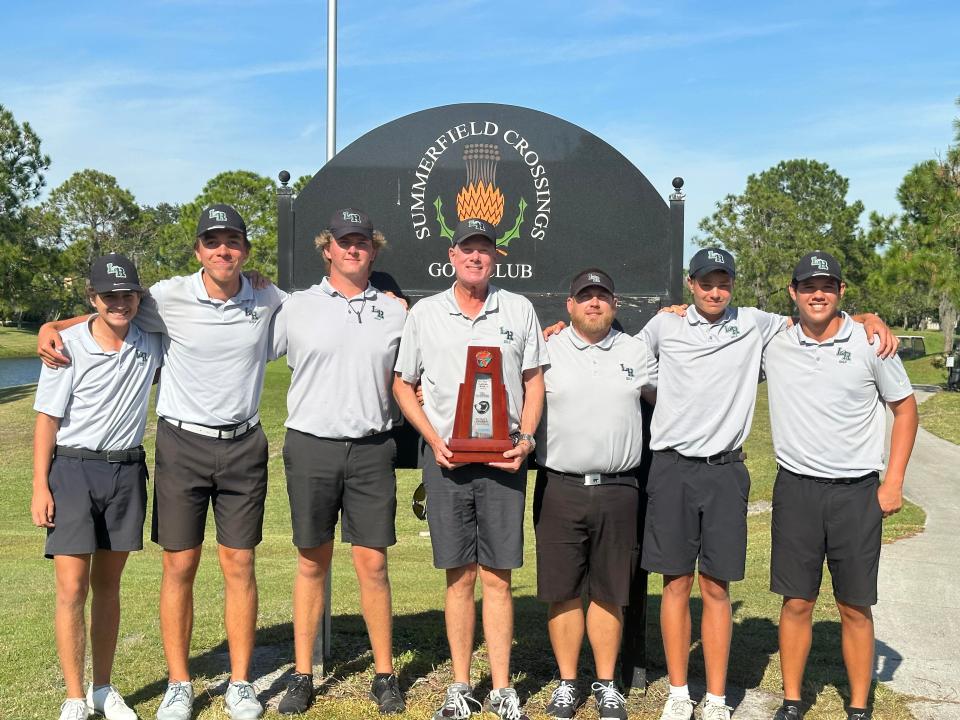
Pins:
x: 102, y: 395
x: 434, y: 350
x: 591, y: 418
x: 341, y: 352
x: 827, y: 401
x: 707, y: 378
x: 215, y: 350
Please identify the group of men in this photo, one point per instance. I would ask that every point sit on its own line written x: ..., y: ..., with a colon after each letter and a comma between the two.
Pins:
x: 350, y: 347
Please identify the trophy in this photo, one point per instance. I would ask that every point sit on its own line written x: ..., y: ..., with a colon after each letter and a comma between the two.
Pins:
x: 480, y: 432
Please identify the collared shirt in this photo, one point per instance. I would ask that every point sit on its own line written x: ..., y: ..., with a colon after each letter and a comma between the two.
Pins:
x: 216, y: 350
x: 102, y: 395
x: 591, y: 421
x: 706, y: 377
x: 341, y: 351
x: 826, y: 401
x: 434, y: 350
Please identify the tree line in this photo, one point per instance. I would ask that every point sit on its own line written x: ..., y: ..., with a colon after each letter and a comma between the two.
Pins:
x: 904, y: 266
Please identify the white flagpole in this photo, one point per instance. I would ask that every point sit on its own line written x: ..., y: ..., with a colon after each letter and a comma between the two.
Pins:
x: 331, y: 79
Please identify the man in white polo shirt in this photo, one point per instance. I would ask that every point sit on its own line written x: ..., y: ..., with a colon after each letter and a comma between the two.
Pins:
x: 589, y: 446
x: 210, y: 447
x: 341, y: 338
x: 475, y: 511
x: 828, y: 390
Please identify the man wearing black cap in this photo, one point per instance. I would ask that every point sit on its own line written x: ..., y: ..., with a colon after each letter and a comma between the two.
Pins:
x: 89, y: 477
x: 475, y: 511
x: 340, y: 338
x: 827, y: 394
x: 586, y: 498
x: 210, y: 446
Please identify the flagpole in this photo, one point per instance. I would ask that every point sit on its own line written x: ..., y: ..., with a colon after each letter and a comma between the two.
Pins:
x: 331, y: 79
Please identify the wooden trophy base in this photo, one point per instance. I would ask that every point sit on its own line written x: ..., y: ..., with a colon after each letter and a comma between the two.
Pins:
x: 474, y: 450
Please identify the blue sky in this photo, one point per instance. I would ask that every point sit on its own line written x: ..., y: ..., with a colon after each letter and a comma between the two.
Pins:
x: 164, y: 94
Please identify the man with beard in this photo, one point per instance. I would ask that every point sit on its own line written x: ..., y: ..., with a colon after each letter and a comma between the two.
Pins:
x: 589, y: 446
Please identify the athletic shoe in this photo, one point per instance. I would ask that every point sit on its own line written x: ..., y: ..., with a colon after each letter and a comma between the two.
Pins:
x: 386, y: 692
x: 788, y: 712
x: 458, y: 704
x: 677, y: 708
x: 177, y: 703
x: 108, y: 701
x: 564, y: 701
x: 298, y: 696
x: 715, y: 711
x: 506, y: 703
x: 858, y: 715
x: 611, y: 705
x: 74, y: 709
x: 241, y: 701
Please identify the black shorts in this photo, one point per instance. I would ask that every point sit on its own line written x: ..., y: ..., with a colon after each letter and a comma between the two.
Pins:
x: 586, y: 539
x: 194, y: 470
x: 696, y: 513
x: 353, y: 478
x: 475, y: 514
x: 97, y: 505
x: 816, y: 520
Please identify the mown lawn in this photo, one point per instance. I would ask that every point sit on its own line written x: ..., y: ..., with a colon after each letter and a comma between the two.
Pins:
x: 17, y: 343
x: 31, y: 685
x: 940, y: 414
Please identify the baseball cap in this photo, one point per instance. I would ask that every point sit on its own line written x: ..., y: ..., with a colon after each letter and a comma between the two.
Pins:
x: 816, y: 264
x: 710, y: 259
x: 589, y: 277
x: 350, y: 220
x: 220, y: 216
x: 114, y: 273
x: 474, y: 226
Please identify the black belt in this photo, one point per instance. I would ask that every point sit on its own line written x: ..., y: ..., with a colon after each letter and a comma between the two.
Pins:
x: 874, y: 475
x: 724, y: 458
x: 590, y: 479
x: 112, y: 456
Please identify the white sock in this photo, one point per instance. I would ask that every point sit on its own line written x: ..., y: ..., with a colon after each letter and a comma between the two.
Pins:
x: 680, y: 691
x: 718, y: 699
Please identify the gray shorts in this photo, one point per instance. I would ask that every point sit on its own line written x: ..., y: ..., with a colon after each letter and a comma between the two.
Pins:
x: 352, y: 478
x: 816, y: 520
x: 696, y: 514
x: 98, y: 505
x: 475, y: 514
x: 192, y: 471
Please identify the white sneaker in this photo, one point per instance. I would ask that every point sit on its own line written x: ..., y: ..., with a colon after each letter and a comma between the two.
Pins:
x: 177, y: 703
x: 241, y: 701
x: 715, y: 711
x: 74, y: 709
x: 677, y: 708
x: 108, y: 701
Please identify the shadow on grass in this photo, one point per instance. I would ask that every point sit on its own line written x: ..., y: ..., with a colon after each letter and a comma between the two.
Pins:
x: 16, y: 393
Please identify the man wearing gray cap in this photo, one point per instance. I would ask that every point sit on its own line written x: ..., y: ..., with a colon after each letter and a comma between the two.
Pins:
x: 475, y: 511
x: 828, y: 390
x: 587, y: 491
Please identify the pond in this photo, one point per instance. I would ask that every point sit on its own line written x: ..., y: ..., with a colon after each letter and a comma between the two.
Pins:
x: 18, y: 371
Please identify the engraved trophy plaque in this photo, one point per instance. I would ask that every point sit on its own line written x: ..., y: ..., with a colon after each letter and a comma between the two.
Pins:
x: 480, y: 431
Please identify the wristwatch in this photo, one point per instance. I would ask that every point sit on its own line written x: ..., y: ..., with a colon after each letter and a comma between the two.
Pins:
x: 520, y: 437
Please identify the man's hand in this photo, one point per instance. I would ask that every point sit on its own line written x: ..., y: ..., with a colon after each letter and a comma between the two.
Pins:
x: 888, y: 342
x: 890, y: 495
x: 41, y: 506
x: 514, y: 457
x: 680, y: 310
x: 50, y: 347
x: 554, y: 329
x: 442, y: 454
x: 258, y: 281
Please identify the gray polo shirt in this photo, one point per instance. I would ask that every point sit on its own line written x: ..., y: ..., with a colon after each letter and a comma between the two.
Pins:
x: 706, y: 378
x: 102, y: 395
x: 827, y: 401
x: 591, y: 419
x: 342, y: 354
x: 216, y: 350
x: 434, y: 350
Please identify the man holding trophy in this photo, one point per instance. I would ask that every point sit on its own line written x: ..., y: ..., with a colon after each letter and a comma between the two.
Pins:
x: 475, y: 490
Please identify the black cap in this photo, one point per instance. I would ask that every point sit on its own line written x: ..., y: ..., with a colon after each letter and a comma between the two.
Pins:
x: 474, y: 226
x: 114, y: 273
x: 817, y: 264
x: 348, y: 221
x: 710, y: 259
x: 588, y: 278
x: 220, y: 217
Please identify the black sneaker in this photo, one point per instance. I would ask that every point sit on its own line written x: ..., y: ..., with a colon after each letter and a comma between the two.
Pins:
x: 611, y: 705
x: 858, y: 715
x: 298, y: 696
x: 788, y: 712
x: 564, y: 701
x: 386, y: 692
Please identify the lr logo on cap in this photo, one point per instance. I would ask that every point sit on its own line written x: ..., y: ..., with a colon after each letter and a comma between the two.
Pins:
x: 476, y: 225
x: 716, y: 257
x: 351, y: 217
x: 593, y: 277
x: 116, y: 270
x: 819, y: 263
x: 218, y: 215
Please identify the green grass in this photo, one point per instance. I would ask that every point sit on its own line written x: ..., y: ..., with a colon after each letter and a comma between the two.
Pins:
x: 17, y: 343
x: 31, y: 685
x: 940, y: 414
x: 929, y: 369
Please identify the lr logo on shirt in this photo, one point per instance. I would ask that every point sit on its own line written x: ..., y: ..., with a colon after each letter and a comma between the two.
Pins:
x: 733, y: 330
x: 844, y: 356
x: 377, y: 313
x: 141, y: 357
x: 628, y: 371
x: 252, y: 314
x: 508, y: 334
